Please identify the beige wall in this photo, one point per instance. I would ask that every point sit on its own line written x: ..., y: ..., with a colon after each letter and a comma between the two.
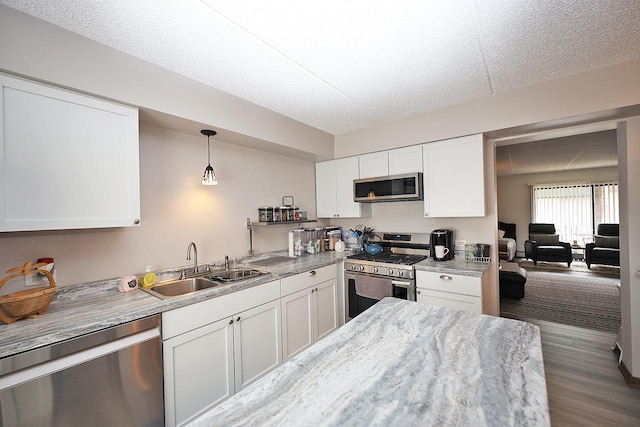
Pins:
x: 176, y: 209
x: 514, y: 194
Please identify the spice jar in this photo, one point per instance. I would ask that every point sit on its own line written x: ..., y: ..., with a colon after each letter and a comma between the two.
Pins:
x: 265, y: 214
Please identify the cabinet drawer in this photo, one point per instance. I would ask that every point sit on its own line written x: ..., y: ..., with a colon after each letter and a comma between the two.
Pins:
x: 455, y: 301
x: 190, y: 317
x: 301, y: 281
x: 453, y: 283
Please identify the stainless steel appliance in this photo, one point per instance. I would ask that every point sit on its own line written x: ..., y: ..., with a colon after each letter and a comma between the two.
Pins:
x: 112, y: 377
x: 391, y: 270
x: 442, y: 238
x: 394, y: 188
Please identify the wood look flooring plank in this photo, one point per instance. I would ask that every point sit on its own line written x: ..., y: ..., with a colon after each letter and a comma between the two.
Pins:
x: 584, y: 384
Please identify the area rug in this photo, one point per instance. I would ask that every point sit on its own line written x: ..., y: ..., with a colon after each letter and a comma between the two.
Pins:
x: 584, y: 302
x: 596, y: 270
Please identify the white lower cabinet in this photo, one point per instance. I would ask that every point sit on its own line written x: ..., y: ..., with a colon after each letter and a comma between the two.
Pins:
x: 232, y: 347
x: 198, y: 371
x: 214, y: 348
x: 449, y: 290
x: 309, y: 309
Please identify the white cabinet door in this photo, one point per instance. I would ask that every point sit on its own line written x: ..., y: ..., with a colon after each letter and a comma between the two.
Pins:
x: 454, y: 177
x: 198, y: 371
x: 297, y: 322
x: 326, y: 201
x: 69, y: 161
x: 326, y: 308
x: 308, y: 316
x: 374, y: 164
x: 346, y: 171
x: 257, y: 344
x: 405, y: 160
x: 334, y: 189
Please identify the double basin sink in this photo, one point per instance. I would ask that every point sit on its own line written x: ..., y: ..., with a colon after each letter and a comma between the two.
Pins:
x: 211, y: 279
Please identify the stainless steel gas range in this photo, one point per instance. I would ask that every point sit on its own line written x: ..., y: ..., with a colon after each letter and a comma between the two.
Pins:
x: 369, y: 278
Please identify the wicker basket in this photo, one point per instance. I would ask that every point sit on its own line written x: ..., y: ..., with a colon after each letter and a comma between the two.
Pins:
x: 29, y: 303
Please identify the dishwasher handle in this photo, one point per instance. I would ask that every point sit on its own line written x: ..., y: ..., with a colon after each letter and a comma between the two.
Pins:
x: 55, y: 365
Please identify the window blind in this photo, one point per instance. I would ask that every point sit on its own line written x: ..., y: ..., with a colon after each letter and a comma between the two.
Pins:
x: 576, y: 209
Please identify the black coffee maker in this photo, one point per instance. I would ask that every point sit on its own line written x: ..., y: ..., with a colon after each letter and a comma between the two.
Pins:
x: 442, y: 245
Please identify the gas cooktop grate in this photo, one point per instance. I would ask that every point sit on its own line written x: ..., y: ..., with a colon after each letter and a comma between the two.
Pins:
x: 389, y: 258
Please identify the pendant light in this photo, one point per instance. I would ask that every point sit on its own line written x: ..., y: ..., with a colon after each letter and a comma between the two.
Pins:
x: 209, y: 177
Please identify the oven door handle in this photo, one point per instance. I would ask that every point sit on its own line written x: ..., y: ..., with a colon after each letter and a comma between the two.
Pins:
x: 402, y: 283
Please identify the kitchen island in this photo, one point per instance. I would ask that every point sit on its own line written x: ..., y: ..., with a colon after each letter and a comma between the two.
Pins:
x: 402, y: 363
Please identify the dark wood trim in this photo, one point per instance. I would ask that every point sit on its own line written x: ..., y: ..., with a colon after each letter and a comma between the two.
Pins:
x: 631, y: 380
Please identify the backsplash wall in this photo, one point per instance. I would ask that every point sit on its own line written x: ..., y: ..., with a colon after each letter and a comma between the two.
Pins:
x: 175, y: 210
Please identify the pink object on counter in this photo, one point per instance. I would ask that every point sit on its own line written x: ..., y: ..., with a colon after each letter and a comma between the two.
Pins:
x: 128, y: 283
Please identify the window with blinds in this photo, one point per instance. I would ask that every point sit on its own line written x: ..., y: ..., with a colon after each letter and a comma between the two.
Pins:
x: 576, y: 209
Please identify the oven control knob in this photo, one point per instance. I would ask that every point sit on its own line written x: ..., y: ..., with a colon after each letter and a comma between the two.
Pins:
x: 390, y: 272
x: 361, y: 268
x: 375, y: 269
x: 400, y: 273
x: 353, y: 267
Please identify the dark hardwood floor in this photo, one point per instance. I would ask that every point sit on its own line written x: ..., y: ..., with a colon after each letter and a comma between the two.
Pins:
x: 584, y: 384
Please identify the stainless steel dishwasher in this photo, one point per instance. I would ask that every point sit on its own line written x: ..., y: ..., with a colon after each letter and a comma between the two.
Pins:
x: 111, y: 377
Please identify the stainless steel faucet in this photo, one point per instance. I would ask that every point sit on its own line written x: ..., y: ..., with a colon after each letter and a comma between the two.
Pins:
x: 195, y: 256
x: 226, y: 262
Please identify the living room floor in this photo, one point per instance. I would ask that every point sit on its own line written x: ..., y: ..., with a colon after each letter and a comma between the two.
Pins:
x: 584, y: 384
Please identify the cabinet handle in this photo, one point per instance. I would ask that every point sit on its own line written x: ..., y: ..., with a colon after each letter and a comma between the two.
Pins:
x: 136, y: 221
x: 312, y: 273
x: 445, y: 277
x: 426, y: 214
x: 238, y: 319
x: 418, y: 291
x: 316, y: 289
x: 313, y: 290
x: 231, y: 322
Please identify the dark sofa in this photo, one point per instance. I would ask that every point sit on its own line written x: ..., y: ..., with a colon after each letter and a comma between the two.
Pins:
x: 606, y: 246
x: 544, y: 245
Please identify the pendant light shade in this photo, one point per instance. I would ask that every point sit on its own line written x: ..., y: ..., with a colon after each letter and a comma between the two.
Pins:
x: 209, y: 177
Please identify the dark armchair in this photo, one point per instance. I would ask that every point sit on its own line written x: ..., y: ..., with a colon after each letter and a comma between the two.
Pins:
x: 606, y: 246
x: 544, y: 245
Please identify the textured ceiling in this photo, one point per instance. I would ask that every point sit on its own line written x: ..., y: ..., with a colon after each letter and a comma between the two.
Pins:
x: 592, y: 150
x: 342, y: 65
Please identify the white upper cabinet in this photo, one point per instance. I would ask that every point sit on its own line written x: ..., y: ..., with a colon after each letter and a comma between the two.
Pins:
x: 67, y: 160
x: 454, y: 177
x: 374, y: 164
x: 334, y: 189
x: 394, y: 162
x: 405, y: 160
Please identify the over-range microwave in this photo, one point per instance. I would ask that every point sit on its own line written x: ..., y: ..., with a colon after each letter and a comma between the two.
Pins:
x: 394, y: 188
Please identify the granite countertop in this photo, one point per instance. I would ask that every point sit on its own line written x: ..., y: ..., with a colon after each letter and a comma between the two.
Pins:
x: 403, y: 363
x: 81, y: 309
x: 454, y: 266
